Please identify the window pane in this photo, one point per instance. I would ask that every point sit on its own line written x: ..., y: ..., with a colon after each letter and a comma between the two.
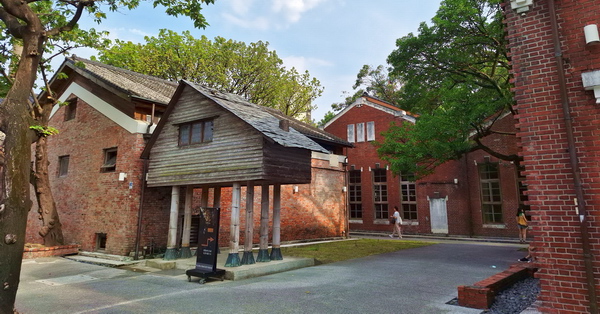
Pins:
x: 208, y: 131
x: 351, y: 133
x: 196, y: 134
x: 63, y: 166
x: 360, y: 132
x: 184, y: 134
x: 370, y: 131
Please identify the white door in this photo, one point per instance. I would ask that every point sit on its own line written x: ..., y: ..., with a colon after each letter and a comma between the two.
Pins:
x: 439, y: 215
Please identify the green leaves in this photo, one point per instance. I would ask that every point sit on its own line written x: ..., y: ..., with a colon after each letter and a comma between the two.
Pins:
x: 456, y: 76
x: 250, y: 70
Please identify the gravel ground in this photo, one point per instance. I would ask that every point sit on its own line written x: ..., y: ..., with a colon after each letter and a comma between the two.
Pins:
x: 516, y: 298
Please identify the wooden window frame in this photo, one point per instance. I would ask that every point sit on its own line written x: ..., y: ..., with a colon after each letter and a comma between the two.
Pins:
x: 380, y: 193
x: 408, y: 197
x: 355, y: 194
x: 195, y: 132
x: 491, y: 193
x: 110, y: 160
x: 71, y: 109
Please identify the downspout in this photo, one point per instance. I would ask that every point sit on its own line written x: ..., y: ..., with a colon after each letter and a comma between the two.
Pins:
x: 579, y: 200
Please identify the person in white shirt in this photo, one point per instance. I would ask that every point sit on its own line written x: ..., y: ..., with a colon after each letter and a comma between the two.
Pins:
x: 397, y: 221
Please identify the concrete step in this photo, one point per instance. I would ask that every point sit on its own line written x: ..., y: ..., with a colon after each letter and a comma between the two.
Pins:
x: 100, y: 261
x: 105, y: 256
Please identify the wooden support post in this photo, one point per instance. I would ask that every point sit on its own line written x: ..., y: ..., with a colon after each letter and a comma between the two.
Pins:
x: 186, y: 252
x: 233, y: 260
x: 248, y: 257
x: 171, y: 252
x: 204, y: 197
x: 276, y: 249
x: 263, y: 251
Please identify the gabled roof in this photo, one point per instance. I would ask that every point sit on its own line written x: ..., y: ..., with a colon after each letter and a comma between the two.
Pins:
x: 309, y: 130
x: 259, y: 117
x: 121, y: 81
x: 374, y: 102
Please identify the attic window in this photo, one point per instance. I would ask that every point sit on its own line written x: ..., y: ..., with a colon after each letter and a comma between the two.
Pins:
x: 110, y: 160
x: 71, y: 109
x: 196, y: 132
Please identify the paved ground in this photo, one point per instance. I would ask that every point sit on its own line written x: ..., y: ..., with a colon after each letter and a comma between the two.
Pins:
x: 418, y: 280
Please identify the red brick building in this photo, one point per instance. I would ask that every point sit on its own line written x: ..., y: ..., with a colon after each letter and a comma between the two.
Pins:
x: 555, y: 59
x: 477, y: 195
x: 98, y: 177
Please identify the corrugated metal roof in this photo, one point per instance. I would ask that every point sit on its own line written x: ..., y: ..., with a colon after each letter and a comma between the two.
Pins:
x: 259, y: 118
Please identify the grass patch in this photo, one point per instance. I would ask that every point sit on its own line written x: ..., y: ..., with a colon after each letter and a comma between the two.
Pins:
x: 336, y: 251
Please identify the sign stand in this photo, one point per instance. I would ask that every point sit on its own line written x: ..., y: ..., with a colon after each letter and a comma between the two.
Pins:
x: 208, y: 246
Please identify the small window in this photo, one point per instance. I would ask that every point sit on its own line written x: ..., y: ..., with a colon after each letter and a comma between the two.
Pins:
x: 196, y: 132
x: 71, y: 109
x: 63, y: 166
x: 100, y: 241
x: 360, y: 132
x: 370, y: 131
x: 351, y: 133
x: 110, y: 160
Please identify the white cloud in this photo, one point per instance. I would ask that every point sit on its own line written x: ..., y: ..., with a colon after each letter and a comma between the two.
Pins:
x: 260, y: 23
x: 293, y: 9
x: 302, y: 63
x: 263, y: 15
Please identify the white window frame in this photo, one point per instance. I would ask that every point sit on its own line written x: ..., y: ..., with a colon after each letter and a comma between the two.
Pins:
x: 371, y: 131
x: 351, y: 133
x: 360, y: 132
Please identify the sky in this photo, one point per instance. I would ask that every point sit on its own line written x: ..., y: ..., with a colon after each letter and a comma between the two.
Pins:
x: 332, y: 39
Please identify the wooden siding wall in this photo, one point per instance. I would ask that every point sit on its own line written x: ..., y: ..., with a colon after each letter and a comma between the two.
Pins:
x: 287, y: 165
x: 235, y: 154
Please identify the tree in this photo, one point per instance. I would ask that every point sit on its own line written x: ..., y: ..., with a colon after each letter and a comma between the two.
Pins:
x: 31, y: 25
x: 455, y: 75
x: 252, y: 71
x: 376, y: 82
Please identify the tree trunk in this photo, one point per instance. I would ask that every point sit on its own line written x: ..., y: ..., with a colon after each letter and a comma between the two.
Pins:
x: 15, y: 157
x: 51, y: 230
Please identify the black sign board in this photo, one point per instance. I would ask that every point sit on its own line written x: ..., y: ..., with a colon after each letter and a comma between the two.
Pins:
x: 208, y: 239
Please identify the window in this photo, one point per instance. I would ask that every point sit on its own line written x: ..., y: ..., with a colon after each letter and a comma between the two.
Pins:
x: 408, y: 190
x: 491, y: 196
x: 360, y: 132
x: 370, y: 131
x: 196, y: 132
x: 71, y: 109
x: 380, y: 194
x: 100, y: 241
x: 351, y: 133
x: 63, y: 165
x: 355, y: 194
x: 110, y: 160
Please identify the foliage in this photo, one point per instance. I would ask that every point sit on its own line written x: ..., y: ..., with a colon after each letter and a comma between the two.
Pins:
x: 44, y: 130
x: 328, y: 116
x: 336, y: 251
x: 376, y: 82
x: 250, y: 70
x: 455, y: 75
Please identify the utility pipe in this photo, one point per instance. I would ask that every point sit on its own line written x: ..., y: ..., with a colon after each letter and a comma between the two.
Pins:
x: 580, y: 200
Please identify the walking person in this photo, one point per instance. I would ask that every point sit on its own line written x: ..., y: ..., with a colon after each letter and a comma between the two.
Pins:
x: 397, y: 221
x: 522, y: 223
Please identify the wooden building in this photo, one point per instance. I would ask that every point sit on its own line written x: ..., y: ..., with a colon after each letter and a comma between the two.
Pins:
x: 99, y: 180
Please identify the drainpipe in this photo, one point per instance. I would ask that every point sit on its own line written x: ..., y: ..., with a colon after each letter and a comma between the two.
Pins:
x: 140, y: 211
x: 580, y: 206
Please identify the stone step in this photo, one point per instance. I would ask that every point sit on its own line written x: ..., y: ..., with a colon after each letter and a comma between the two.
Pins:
x: 99, y: 255
x: 101, y: 261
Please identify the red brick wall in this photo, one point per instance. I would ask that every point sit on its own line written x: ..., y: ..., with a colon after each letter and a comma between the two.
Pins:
x: 545, y: 147
x: 316, y: 211
x: 464, y: 201
x: 89, y: 201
